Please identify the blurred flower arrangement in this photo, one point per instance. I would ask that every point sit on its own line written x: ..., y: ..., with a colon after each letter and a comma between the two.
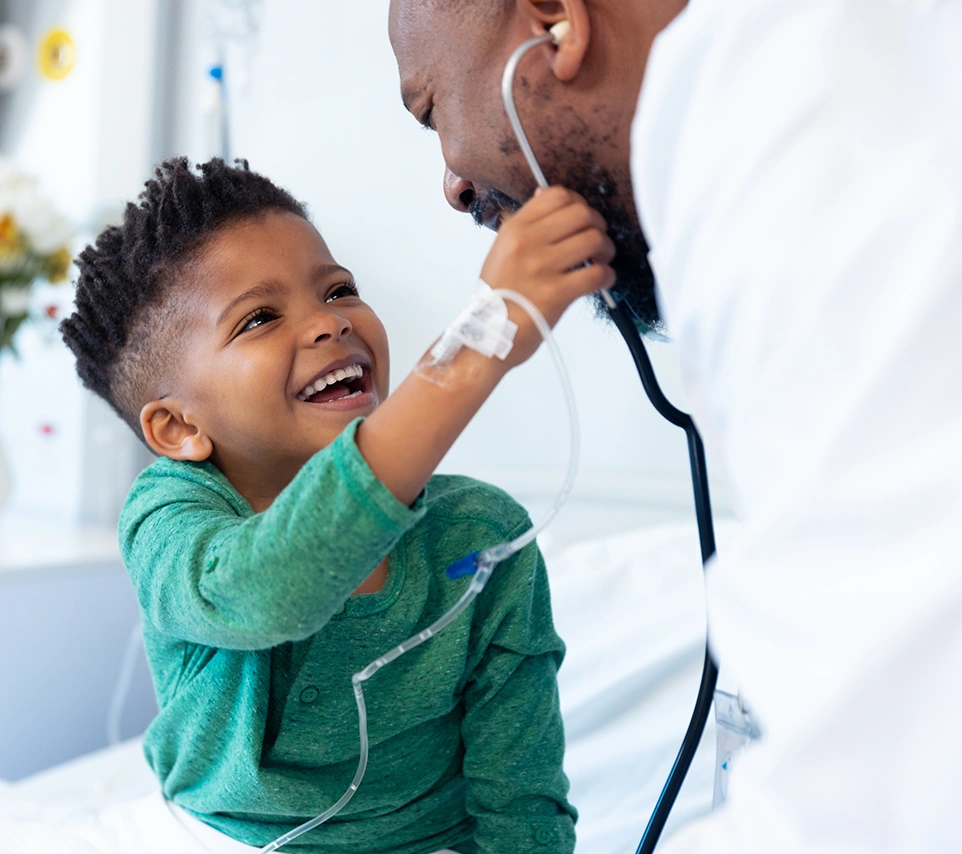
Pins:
x: 33, y: 248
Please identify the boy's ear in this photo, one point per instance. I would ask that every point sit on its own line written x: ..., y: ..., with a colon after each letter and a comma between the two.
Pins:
x: 569, y: 54
x: 170, y: 434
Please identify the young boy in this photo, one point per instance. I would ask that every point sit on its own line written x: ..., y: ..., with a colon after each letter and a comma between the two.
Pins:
x: 291, y: 530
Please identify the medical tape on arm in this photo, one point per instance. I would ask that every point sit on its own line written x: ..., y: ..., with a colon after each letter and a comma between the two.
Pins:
x: 483, y: 326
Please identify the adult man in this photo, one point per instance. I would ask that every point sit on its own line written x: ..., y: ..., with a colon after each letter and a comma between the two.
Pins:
x: 795, y: 169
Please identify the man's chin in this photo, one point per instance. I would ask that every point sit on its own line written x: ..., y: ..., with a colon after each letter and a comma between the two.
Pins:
x: 611, y: 196
x: 634, y: 285
x: 634, y: 288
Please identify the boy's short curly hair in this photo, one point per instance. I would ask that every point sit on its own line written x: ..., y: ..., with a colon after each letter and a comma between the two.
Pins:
x: 123, y: 328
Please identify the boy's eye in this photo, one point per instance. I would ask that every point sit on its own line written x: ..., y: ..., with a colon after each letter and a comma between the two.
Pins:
x: 257, y: 318
x: 348, y: 289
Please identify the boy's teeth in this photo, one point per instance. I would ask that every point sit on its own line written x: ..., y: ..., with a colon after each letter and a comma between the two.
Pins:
x: 333, y: 377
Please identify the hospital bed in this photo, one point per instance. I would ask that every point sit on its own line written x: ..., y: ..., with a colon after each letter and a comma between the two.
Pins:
x: 630, y: 607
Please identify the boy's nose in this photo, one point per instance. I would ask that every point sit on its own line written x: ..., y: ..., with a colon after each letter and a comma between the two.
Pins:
x: 331, y: 325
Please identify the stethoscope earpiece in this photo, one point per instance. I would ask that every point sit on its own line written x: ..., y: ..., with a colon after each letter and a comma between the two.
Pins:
x: 559, y: 31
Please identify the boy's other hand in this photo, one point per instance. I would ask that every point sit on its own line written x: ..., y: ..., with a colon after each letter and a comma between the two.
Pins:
x: 540, y: 252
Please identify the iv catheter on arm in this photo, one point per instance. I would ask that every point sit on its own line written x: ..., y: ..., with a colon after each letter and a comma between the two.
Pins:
x: 696, y: 453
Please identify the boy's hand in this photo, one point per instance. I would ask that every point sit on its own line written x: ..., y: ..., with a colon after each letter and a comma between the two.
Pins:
x: 538, y: 253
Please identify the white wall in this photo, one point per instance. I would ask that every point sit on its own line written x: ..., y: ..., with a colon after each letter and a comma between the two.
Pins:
x: 89, y: 139
x: 55, y: 701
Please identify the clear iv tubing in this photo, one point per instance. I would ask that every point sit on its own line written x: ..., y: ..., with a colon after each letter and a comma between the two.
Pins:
x: 481, y: 565
x: 122, y: 688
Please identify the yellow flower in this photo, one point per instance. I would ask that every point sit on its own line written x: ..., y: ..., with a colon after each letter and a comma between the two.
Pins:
x: 9, y: 236
x: 11, y: 244
x: 57, y: 264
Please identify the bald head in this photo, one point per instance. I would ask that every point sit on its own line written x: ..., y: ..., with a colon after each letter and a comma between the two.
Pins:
x: 576, y: 101
x: 473, y: 8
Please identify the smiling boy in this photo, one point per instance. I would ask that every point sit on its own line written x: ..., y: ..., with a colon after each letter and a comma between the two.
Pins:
x: 291, y: 531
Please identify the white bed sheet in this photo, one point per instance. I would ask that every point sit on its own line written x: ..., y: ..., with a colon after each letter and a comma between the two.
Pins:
x: 631, y: 610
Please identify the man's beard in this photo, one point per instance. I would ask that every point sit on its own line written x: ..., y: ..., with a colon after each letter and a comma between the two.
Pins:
x: 634, y: 280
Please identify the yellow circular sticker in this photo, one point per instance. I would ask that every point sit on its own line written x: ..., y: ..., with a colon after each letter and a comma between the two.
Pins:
x: 56, y: 54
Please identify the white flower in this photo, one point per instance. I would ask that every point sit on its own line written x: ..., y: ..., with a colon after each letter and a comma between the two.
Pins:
x: 12, y: 183
x: 46, y: 230
x: 14, y: 301
x: 34, y: 216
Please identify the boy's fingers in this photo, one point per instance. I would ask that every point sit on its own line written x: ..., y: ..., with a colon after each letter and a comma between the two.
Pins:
x: 589, y: 245
x: 590, y: 279
x: 567, y: 221
x: 545, y: 203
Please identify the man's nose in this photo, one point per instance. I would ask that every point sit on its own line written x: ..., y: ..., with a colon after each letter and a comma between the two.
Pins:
x: 459, y: 193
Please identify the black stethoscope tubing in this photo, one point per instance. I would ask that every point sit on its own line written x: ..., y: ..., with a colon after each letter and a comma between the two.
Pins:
x: 706, y: 538
x: 696, y: 455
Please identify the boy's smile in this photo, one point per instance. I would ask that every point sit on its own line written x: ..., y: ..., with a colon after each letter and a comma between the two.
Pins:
x: 342, y: 381
x: 281, y: 353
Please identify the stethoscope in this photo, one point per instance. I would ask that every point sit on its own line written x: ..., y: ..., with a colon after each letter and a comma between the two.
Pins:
x: 696, y: 455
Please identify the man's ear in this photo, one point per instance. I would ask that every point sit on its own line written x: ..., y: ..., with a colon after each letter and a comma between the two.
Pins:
x: 171, y: 434
x: 569, y: 54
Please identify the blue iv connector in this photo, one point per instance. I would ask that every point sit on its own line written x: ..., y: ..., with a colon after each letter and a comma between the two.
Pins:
x: 468, y: 565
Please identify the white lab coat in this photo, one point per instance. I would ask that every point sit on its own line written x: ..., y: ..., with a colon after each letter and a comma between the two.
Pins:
x: 798, y: 170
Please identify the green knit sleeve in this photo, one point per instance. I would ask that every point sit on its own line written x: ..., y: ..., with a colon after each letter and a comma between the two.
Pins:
x: 208, y: 570
x: 512, y: 730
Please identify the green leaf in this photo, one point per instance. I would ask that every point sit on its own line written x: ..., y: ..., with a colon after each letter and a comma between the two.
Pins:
x: 8, y: 328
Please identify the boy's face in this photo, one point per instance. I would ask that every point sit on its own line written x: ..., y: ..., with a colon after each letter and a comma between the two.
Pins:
x: 282, y: 354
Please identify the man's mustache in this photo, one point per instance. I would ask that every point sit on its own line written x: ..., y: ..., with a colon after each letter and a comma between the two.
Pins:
x: 487, y: 204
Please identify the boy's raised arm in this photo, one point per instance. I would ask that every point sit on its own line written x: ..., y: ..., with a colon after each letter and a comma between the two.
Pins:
x: 537, y: 253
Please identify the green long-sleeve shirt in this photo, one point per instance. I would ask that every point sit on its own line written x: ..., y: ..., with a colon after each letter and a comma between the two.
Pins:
x: 252, y: 636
